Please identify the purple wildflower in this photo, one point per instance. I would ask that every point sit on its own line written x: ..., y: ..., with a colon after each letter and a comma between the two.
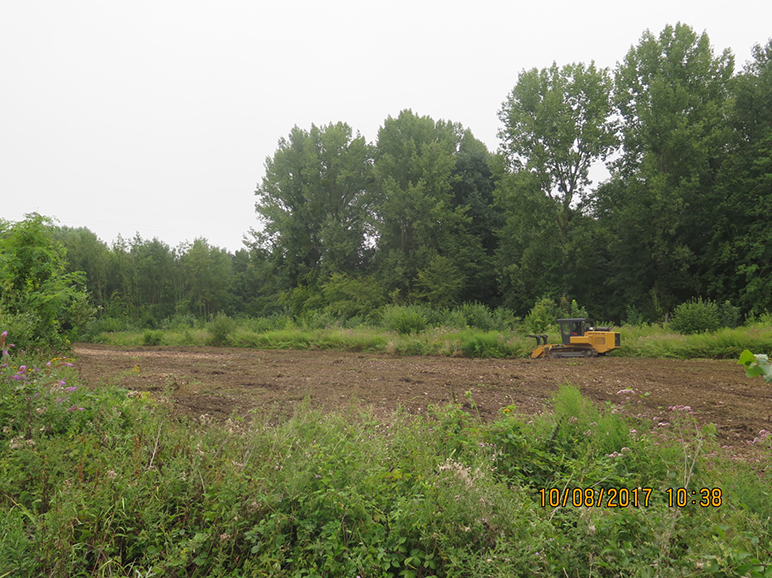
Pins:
x: 71, y: 388
x: 76, y: 408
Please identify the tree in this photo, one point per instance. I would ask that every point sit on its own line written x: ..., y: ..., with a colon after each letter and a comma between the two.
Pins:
x: 418, y: 220
x: 472, y: 189
x: 256, y: 285
x: 672, y: 94
x: 739, y: 254
x: 557, y: 122
x: 207, y: 272
x: 40, y: 302
x: 87, y: 253
x: 313, y: 202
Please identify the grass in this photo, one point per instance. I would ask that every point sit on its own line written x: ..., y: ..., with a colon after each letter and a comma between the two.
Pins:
x: 653, y: 341
x: 105, y: 482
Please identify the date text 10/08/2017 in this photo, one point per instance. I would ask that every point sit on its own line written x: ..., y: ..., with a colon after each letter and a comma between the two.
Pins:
x: 624, y: 497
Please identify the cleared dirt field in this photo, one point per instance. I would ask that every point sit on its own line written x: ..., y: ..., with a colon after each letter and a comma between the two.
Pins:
x: 222, y: 382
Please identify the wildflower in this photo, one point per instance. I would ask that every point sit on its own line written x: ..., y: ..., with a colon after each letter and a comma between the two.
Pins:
x: 626, y: 392
x: 680, y: 408
x: 71, y: 388
x: 41, y: 410
x: 3, y: 346
x: 763, y: 434
x: 76, y: 408
x: 20, y: 374
x: 112, y: 474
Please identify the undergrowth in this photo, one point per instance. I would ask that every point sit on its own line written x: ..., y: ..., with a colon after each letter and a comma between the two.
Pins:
x: 106, y: 482
x: 644, y: 341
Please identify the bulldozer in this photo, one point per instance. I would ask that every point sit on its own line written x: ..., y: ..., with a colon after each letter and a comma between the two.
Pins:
x: 580, y: 339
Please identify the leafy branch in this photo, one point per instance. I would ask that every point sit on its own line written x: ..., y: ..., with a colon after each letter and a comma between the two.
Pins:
x: 756, y: 364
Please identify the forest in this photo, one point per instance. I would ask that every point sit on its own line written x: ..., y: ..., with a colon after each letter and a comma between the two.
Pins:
x: 427, y: 215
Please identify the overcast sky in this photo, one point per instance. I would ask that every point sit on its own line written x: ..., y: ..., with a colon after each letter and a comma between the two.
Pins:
x: 156, y: 116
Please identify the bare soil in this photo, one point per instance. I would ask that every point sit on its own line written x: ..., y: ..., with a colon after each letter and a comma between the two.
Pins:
x: 221, y: 382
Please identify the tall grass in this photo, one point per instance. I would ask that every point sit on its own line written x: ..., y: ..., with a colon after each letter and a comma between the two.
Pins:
x: 723, y: 344
x: 419, y: 331
x: 108, y: 483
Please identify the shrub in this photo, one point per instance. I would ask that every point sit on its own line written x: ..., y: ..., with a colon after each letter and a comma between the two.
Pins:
x: 35, y: 281
x: 152, y: 337
x: 541, y: 317
x: 633, y: 317
x: 696, y: 316
x: 728, y: 315
x: 220, y: 327
x: 477, y: 315
x: 404, y: 319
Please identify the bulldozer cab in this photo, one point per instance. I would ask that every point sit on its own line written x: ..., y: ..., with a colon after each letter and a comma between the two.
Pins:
x: 575, y: 327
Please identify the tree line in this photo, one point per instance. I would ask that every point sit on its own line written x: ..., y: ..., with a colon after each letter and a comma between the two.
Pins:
x: 427, y: 214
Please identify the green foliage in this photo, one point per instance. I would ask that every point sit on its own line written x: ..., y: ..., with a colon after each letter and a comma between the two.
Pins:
x: 755, y: 365
x: 696, y: 316
x: 152, y: 337
x: 542, y: 317
x: 423, y: 234
x: 221, y: 327
x: 403, y: 319
x: 101, y: 483
x: 557, y: 123
x: 348, y: 296
x: 35, y: 287
x: 314, y: 202
x: 427, y: 215
x: 633, y: 316
x: 728, y: 315
x: 440, y: 283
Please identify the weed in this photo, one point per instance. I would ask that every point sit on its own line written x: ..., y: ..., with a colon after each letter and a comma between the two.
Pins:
x: 107, y: 484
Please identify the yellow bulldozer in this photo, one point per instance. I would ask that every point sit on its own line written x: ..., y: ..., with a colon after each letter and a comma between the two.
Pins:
x: 580, y: 339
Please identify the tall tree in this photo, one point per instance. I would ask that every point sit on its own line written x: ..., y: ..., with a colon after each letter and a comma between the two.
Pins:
x: 672, y: 94
x: 557, y: 123
x: 87, y: 253
x: 739, y: 255
x: 207, y: 272
x: 313, y: 203
x: 424, y: 243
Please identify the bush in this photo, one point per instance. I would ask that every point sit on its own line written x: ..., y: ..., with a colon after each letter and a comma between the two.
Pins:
x: 35, y: 282
x: 152, y: 337
x: 404, y: 319
x: 542, y: 316
x: 477, y: 315
x: 728, y: 315
x: 220, y: 327
x: 696, y: 316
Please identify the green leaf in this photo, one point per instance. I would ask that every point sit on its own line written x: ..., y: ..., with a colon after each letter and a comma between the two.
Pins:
x: 756, y: 364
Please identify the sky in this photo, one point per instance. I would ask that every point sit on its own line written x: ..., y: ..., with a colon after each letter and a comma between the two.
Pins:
x: 156, y: 116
